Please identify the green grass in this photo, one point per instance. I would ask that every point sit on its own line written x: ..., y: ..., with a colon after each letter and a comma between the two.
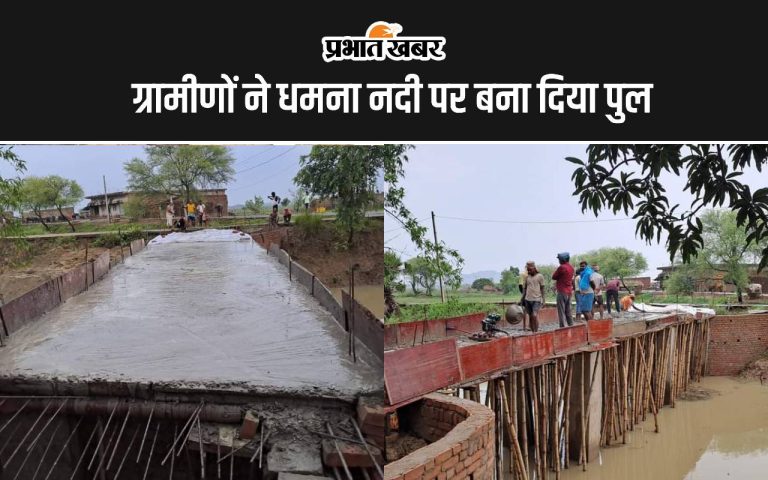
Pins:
x: 452, y: 308
x: 465, y: 297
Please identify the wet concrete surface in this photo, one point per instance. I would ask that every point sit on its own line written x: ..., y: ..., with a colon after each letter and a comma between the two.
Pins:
x: 220, y: 315
x: 725, y: 436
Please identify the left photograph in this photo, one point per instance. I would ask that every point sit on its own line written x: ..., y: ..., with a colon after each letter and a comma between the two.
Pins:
x: 191, y: 311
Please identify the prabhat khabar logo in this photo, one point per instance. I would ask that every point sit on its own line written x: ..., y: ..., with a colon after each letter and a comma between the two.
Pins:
x: 382, y: 41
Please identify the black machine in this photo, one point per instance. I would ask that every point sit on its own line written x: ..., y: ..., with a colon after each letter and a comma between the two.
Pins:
x: 489, y: 328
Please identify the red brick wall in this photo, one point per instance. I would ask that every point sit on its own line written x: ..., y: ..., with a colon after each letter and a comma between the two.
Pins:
x: 734, y: 341
x: 463, y: 443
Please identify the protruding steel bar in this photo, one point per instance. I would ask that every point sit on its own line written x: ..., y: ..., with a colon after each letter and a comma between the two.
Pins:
x: 127, y: 451
x: 119, y: 436
x: 261, y: 443
x: 85, y: 449
x: 46, y: 425
x: 370, y: 454
x: 339, y: 453
x: 8, y: 440
x: 63, y: 448
x: 231, y: 465
x: 173, y: 458
x: 189, y: 430
x: 176, y: 439
x: 151, y: 451
x: 202, y: 452
x: 101, y: 439
x: 5, y: 465
x: 149, y: 420
x: 45, y: 452
x: 260, y: 449
x: 218, y: 453
x: 103, y: 454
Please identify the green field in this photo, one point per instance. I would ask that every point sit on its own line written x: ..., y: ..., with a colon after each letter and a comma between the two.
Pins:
x: 465, y: 297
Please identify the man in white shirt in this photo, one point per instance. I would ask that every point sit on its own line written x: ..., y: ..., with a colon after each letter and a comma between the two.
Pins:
x: 599, y: 282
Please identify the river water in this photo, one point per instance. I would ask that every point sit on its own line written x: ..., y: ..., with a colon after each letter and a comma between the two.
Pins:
x: 723, y: 437
x: 372, y: 296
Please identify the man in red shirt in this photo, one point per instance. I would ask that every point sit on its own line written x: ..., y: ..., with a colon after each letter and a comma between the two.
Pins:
x: 563, y: 277
x: 612, y: 294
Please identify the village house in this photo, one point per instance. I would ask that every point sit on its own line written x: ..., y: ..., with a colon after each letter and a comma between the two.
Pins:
x: 714, y: 281
x: 49, y: 215
x: 215, y: 201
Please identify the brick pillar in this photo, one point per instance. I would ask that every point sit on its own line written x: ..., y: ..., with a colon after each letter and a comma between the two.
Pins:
x: 594, y: 405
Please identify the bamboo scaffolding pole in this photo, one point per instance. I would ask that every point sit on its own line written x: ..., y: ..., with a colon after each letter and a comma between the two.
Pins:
x: 517, y: 454
x: 524, y: 420
x: 653, y: 403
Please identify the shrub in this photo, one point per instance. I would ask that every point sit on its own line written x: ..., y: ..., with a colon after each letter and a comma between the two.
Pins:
x: 308, y: 224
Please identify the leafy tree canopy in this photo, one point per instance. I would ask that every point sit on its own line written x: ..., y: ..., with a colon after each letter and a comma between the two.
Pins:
x: 180, y: 169
x: 481, y: 282
x: 626, y: 178
x: 614, y: 261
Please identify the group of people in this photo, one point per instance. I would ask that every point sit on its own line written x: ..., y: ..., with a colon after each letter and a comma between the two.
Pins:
x: 193, y: 214
x: 287, y: 212
x: 585, y: 283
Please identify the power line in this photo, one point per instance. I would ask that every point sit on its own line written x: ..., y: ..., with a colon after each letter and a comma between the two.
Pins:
x: 266, y: 161
x: 520, y: 222
x: 402, y: 226
x: 256, y: 154
x: 265, y: 178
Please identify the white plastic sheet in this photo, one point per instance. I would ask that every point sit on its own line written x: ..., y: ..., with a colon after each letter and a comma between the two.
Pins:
x: 201, y: 236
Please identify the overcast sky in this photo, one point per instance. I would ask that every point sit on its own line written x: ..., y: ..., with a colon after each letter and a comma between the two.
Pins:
x: 522, y: 183
x: 261, y: 169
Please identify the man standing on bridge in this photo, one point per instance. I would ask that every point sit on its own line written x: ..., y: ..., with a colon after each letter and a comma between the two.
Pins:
x: 563, y: 277
x: 586, y: 290
x: 534, y: 294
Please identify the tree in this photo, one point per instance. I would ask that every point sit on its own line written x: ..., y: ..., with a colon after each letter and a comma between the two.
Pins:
x: 626, y: 177
x: 510, y: 279
x: 256, y: 205
x: 727, y: 248
x: 180, y: 169
x: 422, y: 273
x: 392, y: 265
x: 682, y: 280
x: 481, y: 282
x: 449, y: 261
x: 615, y: 261
x: 347, y: 173
x: 64, y: 193
x: 53, y: 191
x: 141, y: 205
x: 10, y: 188
x: 547, y: 270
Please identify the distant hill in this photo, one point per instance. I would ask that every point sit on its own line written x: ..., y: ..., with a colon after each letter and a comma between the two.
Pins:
x: 468, y: 278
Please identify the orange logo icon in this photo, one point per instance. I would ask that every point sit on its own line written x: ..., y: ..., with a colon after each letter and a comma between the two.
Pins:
x: 383, y: 30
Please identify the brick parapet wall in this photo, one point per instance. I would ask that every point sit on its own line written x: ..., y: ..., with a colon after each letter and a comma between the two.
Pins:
x: 734, y: 341
x: 462, y: 445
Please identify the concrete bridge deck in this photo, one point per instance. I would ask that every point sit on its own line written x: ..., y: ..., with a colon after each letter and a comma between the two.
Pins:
x: 218, y: 315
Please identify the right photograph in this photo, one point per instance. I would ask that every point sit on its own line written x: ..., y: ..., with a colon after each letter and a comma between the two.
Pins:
x: 576, y: 311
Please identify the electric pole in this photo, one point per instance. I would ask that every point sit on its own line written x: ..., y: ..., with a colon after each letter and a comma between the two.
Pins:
x: 106, y: 199
x: 437, y: 260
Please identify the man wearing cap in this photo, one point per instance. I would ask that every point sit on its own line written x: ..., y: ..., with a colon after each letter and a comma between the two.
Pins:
x: 563, y: 278
x: 534, y: 294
